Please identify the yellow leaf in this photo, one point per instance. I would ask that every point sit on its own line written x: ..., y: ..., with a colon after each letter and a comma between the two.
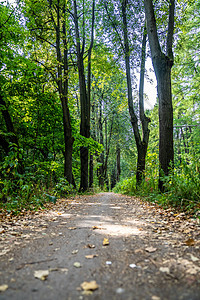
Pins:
x: 105, y: 242
x: 91, y: 256
x: 89, y: 286
x: 41, y: 274
x: 3, y: 287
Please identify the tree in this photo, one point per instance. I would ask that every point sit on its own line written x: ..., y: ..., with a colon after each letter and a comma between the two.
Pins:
x: 52, y: 32
x: 142, y: 144
x: 84, y: 93
x: 162, y: 64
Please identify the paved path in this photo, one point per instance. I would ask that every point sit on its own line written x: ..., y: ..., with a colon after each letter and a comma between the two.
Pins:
x: 148, y: 256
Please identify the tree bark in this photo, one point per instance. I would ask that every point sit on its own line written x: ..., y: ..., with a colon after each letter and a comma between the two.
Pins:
x: 84, y: 96
x: 162, y: 65
x: 10, y: 128
x: 118, y: 163
x: 141, y: 144
x: 62, y: 81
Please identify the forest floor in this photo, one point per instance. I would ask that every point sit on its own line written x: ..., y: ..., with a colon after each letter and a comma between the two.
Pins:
x: 104, y: 246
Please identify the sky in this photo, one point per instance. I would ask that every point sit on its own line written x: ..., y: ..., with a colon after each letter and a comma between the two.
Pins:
x: 150, y: 88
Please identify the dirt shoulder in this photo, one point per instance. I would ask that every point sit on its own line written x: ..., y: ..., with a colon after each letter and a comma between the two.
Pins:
x: 149, y: 253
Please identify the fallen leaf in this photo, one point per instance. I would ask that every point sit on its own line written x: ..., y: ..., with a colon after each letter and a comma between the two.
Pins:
x: 41, y: 274
x: 3, y: 287
x: 74, y: 251
x: 150, y: 249
x: 155, y: 298
x: 89, y: 286
x: 191, y: 271
x: 193, y: 258
x: 90, y: 246
x: 164, y: 270
x: 105, y: 242
x: 72, y: 228
x: 138, y: 251
x: 95, y: 227
x: 91, y: 256
x: 65, y: 270
x: 77, y: 264
x: 132, y: 266
x: 190, y: 242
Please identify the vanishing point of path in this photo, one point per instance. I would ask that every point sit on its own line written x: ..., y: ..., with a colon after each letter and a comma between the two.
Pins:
x: 148, y: 253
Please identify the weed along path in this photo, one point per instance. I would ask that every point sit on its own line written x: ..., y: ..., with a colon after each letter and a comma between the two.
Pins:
x: 104, y: 246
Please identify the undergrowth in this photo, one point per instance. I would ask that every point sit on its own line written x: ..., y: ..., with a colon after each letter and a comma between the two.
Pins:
x: 30, y: 190
x: 182, y: 189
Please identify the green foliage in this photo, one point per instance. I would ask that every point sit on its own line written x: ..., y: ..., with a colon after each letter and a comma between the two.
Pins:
x: 126, y: 186
x: 182, y: 188
x: 63, y: 188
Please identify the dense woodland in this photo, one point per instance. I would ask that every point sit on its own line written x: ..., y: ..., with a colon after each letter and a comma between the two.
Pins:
x: 73, y: 113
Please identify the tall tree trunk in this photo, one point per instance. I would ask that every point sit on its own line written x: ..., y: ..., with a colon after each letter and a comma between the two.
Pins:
x: 8, y: 121
x: 162, y: 65
x: 118, y: 163
x: 84, y: 98
x: 89, y: 89
x: 10, y: 128
x: 101, y: 158
x: 91, y: 167
x: 62, y: 81
x: 141, y: 144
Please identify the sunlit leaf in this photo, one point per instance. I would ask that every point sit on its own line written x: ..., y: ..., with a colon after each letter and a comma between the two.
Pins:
x: 105, y: 242
x: 89, y: 286
x: 3, y: 287
x: 41, y: 274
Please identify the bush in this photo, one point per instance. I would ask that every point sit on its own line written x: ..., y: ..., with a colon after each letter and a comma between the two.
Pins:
x: 126, y: 186
x: 63, y: 188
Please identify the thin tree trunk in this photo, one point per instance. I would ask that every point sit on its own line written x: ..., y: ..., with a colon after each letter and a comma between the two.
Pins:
x: 10, y: 128
x: 101, y: 159
x: 141, y: 144
x: 84, y: 98
x: 62, y: 82
x: 118, y: 163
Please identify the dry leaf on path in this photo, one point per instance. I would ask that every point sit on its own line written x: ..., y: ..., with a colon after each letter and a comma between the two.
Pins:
x: 3, y: 287
x: 72, y: 228
x: 106, y: 242
x: 77, y: 264
x: 95, y: 227
x: 91, y: 256
x: 89, y: 286
x: 132, y: 266
x: 164, y: 270
x: 190, y: 242
x: 41, y: 274
x: 155, y: 298
x: 75, y: 251
x: 90, y: 246
x: 193, y: 258
x: 150, y: 249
